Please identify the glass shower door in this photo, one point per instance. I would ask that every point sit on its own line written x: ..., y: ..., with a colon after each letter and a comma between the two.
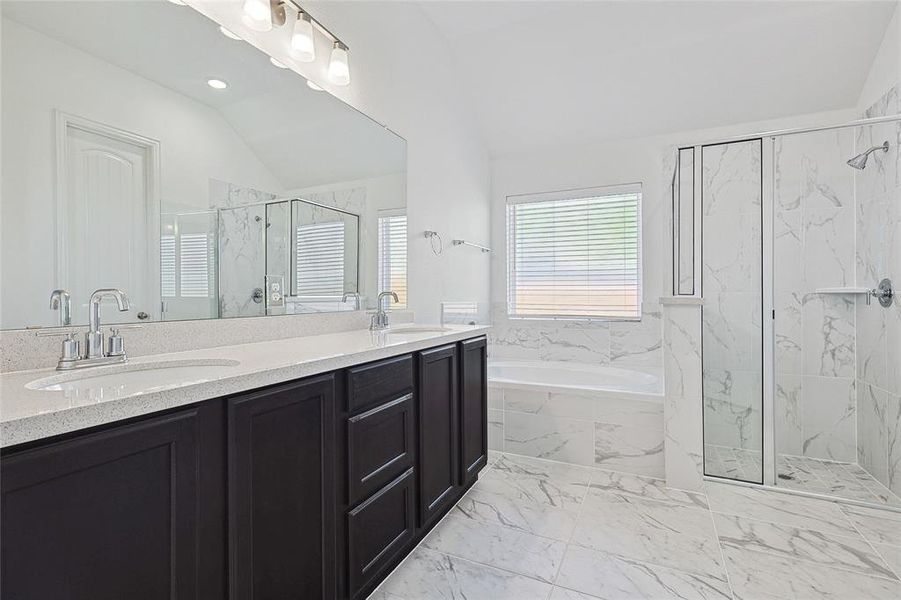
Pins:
x: 732, y: 333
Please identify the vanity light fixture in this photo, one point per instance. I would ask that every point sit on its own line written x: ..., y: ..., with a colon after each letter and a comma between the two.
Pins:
x: 302, y: 46
x: 263, y: 15
x: 257, y: 14
x: 216, y: 84
x: 277, y: 63
x: 338, y: 66
x: 314, y: 87
x: 229, y: 33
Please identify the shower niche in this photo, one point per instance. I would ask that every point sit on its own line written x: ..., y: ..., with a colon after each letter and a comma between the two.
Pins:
x: 800, y: 337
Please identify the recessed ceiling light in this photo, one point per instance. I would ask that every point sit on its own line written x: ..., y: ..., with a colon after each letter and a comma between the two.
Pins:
x: 277, y: 63
x: 229, y: 33
x: 216, y: 84
x: 313, y: 86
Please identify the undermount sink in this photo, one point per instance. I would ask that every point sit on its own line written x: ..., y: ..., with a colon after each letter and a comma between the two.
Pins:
x: 136, y: 377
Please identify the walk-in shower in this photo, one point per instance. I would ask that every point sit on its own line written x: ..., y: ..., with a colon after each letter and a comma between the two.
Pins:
x: 801, y: 367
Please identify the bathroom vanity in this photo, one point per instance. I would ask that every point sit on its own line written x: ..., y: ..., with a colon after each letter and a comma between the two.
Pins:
x: 314, y: 484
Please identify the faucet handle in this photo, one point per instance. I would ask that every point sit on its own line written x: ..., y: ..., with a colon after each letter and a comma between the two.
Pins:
x: 116, y: 344
x: 71, y: 348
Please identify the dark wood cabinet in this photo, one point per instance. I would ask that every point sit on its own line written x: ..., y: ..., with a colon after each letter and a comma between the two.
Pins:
x: 280, y: 491
x: 473, y: 408
x: 378, y: 530
x: 311, y: 489
x: 126, y: 512
x: 439, y: 432
x: 380, y: 446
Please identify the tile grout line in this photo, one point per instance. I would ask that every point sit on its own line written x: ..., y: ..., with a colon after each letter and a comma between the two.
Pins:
x: 871, y: 544
x: 719, y: 545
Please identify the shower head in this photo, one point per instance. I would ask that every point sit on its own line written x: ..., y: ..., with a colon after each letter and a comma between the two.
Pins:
x: 860, y: 161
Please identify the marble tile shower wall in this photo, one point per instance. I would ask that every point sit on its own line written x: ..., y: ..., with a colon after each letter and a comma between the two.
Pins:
x: 814, y: 238
x: 731, y: 331
x: 878, y: 255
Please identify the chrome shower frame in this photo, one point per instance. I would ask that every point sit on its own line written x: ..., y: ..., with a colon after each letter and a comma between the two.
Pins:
x: 768, y: 139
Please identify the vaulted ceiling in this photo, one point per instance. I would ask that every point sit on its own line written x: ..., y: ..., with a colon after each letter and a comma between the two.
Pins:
x: 556, y: 73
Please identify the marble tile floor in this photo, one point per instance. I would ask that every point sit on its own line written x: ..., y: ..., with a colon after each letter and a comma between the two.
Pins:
x: 842, y: 480
x: 534, y: 529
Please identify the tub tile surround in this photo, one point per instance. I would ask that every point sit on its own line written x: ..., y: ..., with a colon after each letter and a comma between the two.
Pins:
x: 605, y: 534
x: 604, y: 429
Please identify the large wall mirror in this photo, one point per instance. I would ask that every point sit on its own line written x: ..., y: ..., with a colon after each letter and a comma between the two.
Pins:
x: 145, y: 150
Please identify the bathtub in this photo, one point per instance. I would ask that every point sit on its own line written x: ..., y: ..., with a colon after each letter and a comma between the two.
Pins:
x: 590, y: 415
x: 568, y: 376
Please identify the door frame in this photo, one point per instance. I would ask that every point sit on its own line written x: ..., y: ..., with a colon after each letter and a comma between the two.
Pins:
x: 64, y: 121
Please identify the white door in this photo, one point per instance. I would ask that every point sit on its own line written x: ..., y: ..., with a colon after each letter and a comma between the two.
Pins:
x: 106, y: 235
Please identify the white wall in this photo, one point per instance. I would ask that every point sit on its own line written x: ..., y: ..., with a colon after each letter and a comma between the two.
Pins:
x: 196, y: 144
x: 403, y: 76
x: 885, y: 71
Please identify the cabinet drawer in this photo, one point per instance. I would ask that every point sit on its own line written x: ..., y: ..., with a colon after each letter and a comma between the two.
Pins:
x: 379, y: 382
x: 378, y: 529
x: 379, y: 446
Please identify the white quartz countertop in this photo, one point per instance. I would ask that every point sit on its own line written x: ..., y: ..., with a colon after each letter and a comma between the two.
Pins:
x: 31, y: 414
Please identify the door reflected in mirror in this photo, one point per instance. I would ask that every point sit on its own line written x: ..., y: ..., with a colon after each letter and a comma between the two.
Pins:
x: 259, y: 196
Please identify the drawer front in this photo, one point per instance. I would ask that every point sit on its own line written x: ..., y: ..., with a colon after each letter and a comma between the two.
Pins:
x: 380, y: 446
x: 376, y: 383
x: 378, y: 529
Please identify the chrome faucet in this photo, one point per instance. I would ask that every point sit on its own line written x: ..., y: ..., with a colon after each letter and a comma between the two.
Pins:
x: 94, y: 337
x: 380, y: 318
x: 95, y: 354
x: 355, y: 296
x: 61, y: 300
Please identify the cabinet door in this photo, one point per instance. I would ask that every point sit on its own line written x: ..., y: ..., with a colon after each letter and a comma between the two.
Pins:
x: 380, y: 446
x: 439, y: 431
x: 473, y: 408
x: 377, y: 530
x: 281, y: 492
x: 113, y: 514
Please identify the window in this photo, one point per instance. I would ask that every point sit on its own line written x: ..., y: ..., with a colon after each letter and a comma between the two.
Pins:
x: 194, y: 267
x: 186, y: 261
x: 575, y: 255
x: 393, y: 256
x: 319, y: 251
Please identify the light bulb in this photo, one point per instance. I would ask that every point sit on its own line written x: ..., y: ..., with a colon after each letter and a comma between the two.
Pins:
x: 302, y: 46
x: 338, y: 67
x: 277, y: 63
x: 229, y: 33
x: 216, y: 84
x: 314, y: 87
x: 257, y: 15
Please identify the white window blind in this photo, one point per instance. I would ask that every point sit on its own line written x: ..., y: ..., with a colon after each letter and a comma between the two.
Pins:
x: 194, y: 265
x: 319, y: 252
x: 575, y: 254
x: 185, y: 265
x: 167, y: 266
x: 393, y: 256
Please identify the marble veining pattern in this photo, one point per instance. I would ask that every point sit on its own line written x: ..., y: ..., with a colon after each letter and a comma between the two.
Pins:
x: 620, y: 536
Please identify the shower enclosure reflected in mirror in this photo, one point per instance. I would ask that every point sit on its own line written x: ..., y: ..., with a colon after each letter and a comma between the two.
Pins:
x: 264, y: 197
